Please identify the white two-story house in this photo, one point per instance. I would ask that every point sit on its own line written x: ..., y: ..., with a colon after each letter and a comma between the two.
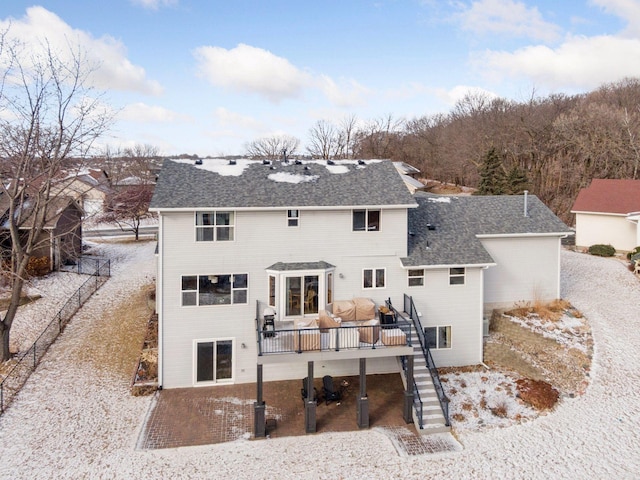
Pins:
x: 243, y: 241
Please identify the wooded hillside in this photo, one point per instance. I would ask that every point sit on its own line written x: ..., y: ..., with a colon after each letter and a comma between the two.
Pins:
x: 560, y: 142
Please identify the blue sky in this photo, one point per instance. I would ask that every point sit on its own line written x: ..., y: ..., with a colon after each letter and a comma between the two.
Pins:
x: 205, y: 77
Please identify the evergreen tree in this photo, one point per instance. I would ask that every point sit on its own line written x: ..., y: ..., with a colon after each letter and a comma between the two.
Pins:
x: 492, y: 175
x: 517, y: 181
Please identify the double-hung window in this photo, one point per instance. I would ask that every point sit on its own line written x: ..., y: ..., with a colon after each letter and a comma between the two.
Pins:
x: 416, y: 277
x: 438, y: 337
x: 373, y: 278
x: 225, y: 289
x: 215, y: 226
x: 366, y: 220
x: 456, y: 276
x: 293, y: 218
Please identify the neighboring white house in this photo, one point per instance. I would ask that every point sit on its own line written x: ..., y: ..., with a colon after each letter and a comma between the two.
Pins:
x: 295, y: 237
x: 607, y: 212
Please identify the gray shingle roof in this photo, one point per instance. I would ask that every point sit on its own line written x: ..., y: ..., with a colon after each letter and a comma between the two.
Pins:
x: 214, y: 185
x: 293, y: 266
x: 458, y: 220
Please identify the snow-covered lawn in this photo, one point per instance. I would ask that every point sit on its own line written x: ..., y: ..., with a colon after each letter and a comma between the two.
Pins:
x: 68, y: 423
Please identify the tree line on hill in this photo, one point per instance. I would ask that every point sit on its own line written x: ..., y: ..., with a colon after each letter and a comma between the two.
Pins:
x: 552, y: 146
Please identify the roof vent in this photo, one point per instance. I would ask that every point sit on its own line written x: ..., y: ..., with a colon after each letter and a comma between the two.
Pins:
x: 526, y: 200
x: 266, y: 162
x: 272, y: 167
x: 198, y: 161
x: 232, y: 162
x: 298, y: 162
x: 330, y: 162
x: 306, y: 167
x: 430, y: 226
x: 360, y: 162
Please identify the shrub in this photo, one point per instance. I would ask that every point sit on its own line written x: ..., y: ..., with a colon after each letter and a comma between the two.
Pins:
x: 540, y: 395
x: 633, y: 252
x: 38, y: 266
x: 602, y: 250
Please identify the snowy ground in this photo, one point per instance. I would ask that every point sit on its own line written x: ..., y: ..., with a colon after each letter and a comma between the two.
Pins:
x: 66, y: 424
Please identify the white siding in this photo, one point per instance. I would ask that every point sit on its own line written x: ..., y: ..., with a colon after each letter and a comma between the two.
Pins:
x: 528, y: 269
x: 459, y: 306
x: 615, y: 230
x: 262, y: 239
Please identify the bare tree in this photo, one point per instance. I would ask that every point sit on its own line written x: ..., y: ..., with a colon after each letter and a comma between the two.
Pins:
x: 49, y: 114
x: 272, y: 148
x: 140, y: 162
x: 348, y: 126
x: 324, y: 140
x: 379, y: 138
x: 127, y: 208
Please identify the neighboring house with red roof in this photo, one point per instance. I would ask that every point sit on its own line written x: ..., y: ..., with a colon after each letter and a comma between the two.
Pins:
x: 607, y: 212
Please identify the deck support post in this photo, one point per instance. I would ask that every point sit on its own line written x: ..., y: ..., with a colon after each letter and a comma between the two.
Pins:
x: 259, y: 407
x: 363, y: 401
x: 310, y: 403
x: 407, y: 412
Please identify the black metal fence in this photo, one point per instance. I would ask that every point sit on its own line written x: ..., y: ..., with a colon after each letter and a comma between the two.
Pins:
x: 27, y: 361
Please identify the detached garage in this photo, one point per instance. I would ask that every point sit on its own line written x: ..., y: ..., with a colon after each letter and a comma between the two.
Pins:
x: 607, y: 212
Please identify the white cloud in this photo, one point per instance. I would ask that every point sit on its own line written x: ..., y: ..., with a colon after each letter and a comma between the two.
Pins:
x: 457, y: 93
x: 227, y: 118
x: 141, y: 112
x: 40, y: 27
x: 255, y: 70
x: 628, y: 10
x: 580, y: 62
x: 507, y: 17
x: 250, y: 69
x: 154, y: 4
x: 350, y: 94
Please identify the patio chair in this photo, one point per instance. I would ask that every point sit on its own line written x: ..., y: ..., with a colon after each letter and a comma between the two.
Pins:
x: 330, y: 393
x: 303, y: 391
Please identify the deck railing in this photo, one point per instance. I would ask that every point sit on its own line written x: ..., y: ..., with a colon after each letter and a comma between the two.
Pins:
x: 313, y: 339
x: 410, y: 308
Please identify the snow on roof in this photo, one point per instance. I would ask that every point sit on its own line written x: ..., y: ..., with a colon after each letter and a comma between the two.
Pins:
x: 439, y: 199
x: 287, y: 177
x: 235, y: 168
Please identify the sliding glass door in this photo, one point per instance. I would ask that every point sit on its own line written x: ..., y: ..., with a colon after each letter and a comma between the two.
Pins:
x: 214, y: 361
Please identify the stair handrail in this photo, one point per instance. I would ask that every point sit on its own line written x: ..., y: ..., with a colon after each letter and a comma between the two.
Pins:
x: 410, y: 308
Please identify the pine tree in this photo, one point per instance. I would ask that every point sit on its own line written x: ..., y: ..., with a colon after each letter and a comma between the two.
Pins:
x: 517, y: 181
x: 492, y: 175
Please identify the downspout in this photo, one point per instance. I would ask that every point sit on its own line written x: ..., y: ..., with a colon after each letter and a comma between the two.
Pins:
x: 159, y: 300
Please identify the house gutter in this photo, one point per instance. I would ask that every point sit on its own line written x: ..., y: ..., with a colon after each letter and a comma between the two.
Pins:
x: 280, y: 208
x: 524, y: 235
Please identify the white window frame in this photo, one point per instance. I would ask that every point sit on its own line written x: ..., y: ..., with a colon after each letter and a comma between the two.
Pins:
x: 367, y: 220
x: 215, y: 381
x: 214, y: 227
x: 293, y: 218
x: 374, y: 278
x: 415, y: 277
x: 455, y: 276
x: 437, y: 328
x: 272, y: 281
x: 233, y: 289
